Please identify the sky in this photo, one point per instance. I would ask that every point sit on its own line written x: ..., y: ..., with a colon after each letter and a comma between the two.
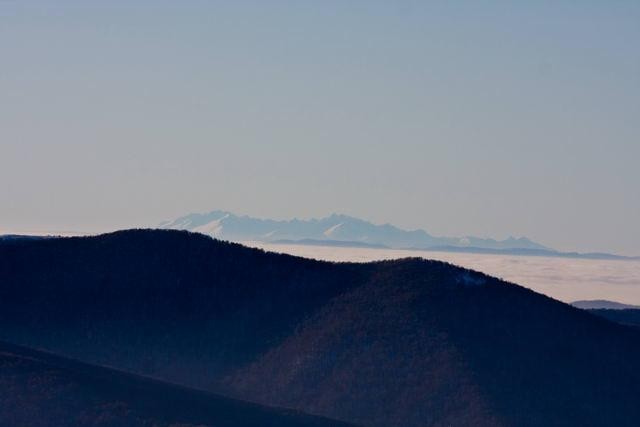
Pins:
x: 485, y: 118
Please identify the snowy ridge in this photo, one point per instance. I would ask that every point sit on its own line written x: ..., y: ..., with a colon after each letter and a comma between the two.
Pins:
x: 336, y: 228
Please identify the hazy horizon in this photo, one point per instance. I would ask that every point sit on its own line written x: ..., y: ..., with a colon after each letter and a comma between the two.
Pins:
x: 477, y: 118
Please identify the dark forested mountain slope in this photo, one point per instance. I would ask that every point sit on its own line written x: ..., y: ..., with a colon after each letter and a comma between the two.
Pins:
x: 397, y: 343
x: 189, y: 305
x: 41, y: 389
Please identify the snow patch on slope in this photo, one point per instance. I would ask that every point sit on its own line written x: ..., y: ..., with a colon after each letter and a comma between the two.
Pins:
x: 329, y: 231
x: 269, y: 234
x: 213, y: 228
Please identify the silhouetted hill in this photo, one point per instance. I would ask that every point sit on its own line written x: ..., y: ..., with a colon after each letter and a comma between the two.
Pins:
x: 41, y: 389
x: 396, y: 343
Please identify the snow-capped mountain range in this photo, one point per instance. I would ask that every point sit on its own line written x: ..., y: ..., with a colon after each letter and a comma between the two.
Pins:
x: 334, y: 229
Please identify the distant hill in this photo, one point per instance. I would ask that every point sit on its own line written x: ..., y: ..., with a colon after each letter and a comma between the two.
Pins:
x: 532, y: 252
x: 334, y: 228
x: 20, y: 237
x: 334, y: 243
x: 397, y: 343
x: 626, y: 316
x: 41, y: 389
x: 602, y: 304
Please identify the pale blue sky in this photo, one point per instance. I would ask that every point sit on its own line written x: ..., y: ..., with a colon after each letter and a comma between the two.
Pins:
x: 489, y: 118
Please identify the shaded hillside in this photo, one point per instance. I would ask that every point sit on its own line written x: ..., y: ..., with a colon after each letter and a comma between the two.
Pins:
x: 482, y: 351
x: 396, y: 343
x: 41, y: 389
